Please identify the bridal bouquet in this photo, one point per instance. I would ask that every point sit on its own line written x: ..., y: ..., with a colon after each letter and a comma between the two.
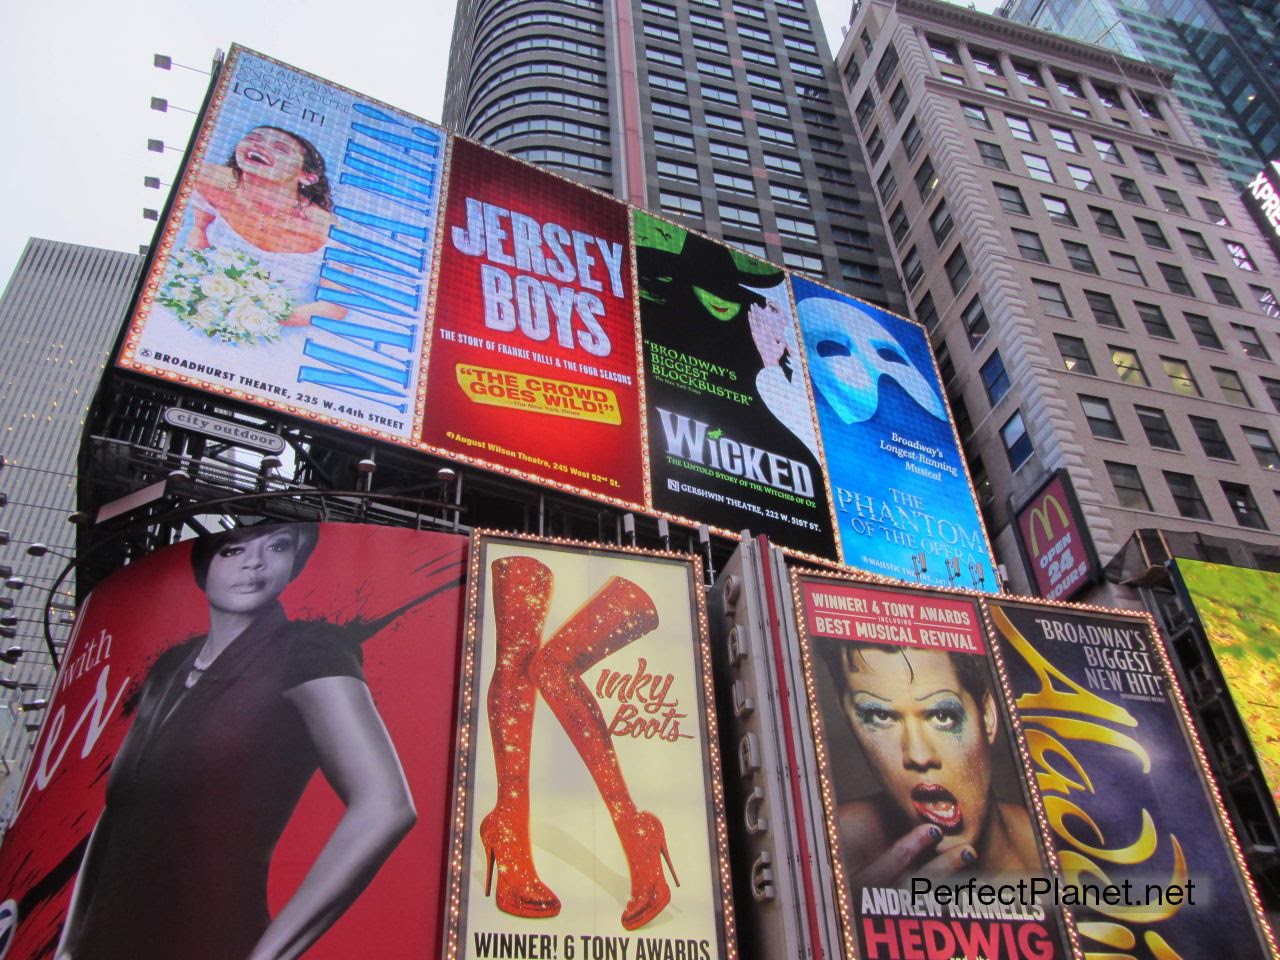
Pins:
x: 225, y: 294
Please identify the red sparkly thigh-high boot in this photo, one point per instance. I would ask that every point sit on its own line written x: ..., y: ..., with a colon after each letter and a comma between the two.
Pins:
x: 521, y: 595
x: 617, y: 615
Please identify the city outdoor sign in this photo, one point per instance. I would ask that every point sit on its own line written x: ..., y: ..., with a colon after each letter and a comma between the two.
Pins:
x: 1262, y: 197
x: 227, y: 430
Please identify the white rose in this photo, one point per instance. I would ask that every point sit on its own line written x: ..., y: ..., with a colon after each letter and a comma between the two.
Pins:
x: 219, y: 287
x: 208, y: 314
x: 251, y: 319
x: 223, y: 258
x: 254, y: 285
x: 275, y: 302
x: 180, y: 292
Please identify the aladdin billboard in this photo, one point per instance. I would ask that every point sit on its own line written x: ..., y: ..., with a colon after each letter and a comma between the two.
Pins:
x: 173, y: 806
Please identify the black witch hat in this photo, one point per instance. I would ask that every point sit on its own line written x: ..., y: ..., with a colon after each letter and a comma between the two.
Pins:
x: 666, y: 276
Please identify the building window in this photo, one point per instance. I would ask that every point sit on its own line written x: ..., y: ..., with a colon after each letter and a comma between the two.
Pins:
x: 1128, y: 367
x: 1075, y: 355
x: 944, y: 52
x: 1154, y: 321
x: 1251, y: 341
x: 1108, y: 150
x: 1038, y: 168
x: 773, y: 83
x: 791, y: 195
x: 1211, y: 439
x: 748, y: 246
x: 1180, y: 377
x: 1264, y: 448
x: 776, y: 135
x: 1232, y: 387
x: 984, y: 62
x: 926, y: 312
x: 995, y: 378
x: 1011, y: 199
x: 975, y: 116
x: 1176, y: 279
x: 940, y: 223
x: 1222, y: 291
x: 976, y: 326
x: 677, y: 171
x: 912, y: 139
x: 1030, y: 246
x: 1106, y: 222
x: 1243, y: 505
x: 1128, y: 268
x: 1156, y: 426
x: 1017, y: 443
x: 1273, y: 391
x: 898, y: 101
x: 1213, y: 210
x: 1149, y: 161
x: 734, y: 215
x: 1152, y: 234
x: 1059, y: 211
x: 782, y: 164
x: 734, y: 183
x: 721, y: 122
x: 664, y: 57
x: 888, y: 63
x: 887, y: 184
x: 1191, y: 172
x: 680, y: 204
x: 1266, y: 300
x: 1020, y: 127
x: 1104, y: 309
x: 1052, y: 300
x: 1028, y: 73
x: 1083, y: 179
x: 722, y: 95
x: 1186, y: 495
x: 898, y: 225
x: 1172, y: 202
x: 1069, y: 85
x: 1127, y: 482
x: 1239, y: 256
x: 1080, y: 257
x: 675, y: 141
x: 912, y: 268
x: 804, y: 262
x: 727, y: 151
x: 1065, y: 139
x: 797, y: 229
x: 957, y: 270
x: 992, y: 155
x: 671, y: 84
x: 1202, y: 331
x: 925, y: 179
x: 1100, y: 417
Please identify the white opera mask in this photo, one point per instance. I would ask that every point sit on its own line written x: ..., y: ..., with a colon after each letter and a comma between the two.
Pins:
x: 849, y: 352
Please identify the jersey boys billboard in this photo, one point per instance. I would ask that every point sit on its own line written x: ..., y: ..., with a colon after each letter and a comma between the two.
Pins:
x: 897, y: 475
x: 533, y: 355
x: 331, y: 258
x: 172, y: 806
x: 294, y: 269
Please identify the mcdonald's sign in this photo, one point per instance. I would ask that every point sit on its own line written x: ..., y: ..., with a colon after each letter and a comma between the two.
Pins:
x: 1055, y: 541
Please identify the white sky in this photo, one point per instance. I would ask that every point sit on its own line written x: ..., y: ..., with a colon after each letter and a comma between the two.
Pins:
x: 77, y: 80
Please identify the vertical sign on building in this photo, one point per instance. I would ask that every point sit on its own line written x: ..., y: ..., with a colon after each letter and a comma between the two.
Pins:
x: 922, y: 788
x: 902, y: 494
x: 1124, y: 787
x: 294, y: 269
x: 589, y: 814
x: 1262, y: 199
x: 533, y: 353
x: 280, y: 792
x: 1055, y: 541
x: 732, y: 440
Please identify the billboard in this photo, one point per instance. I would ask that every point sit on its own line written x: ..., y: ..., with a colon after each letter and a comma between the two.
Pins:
x: 589, y: 818
x: 172, y: 806
x: 1238, y: 610
x: 1055, y: 540
x: 533, y: 351
x: 898, y: 478
x: 1127, y: 798
x: 922, y: 789
x: 1262, y: 199
x: 732, y: 440
x: 294, y: 269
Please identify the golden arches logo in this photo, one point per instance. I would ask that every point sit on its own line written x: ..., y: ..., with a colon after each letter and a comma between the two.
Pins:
x: 1040, y: 518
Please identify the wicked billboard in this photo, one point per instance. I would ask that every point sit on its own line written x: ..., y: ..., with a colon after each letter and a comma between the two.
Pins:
x: 171, y: 808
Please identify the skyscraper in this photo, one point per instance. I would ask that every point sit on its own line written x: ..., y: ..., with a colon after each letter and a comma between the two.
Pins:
x: 723, y: 114
x: 58, y: 318
x: 1222, y: 54
x: 1099, y: 300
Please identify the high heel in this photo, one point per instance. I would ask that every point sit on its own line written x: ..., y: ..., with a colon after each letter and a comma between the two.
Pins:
x: 619, y: 614
x: 521, y: 595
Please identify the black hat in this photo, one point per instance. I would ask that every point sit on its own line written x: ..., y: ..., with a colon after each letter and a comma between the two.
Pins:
x: 707, y: 265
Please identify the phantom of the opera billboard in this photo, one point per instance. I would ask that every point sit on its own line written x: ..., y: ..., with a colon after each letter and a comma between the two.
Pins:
x: 920, y: 770
x: 331, y: 258
x: 1239, y: 612
x: 901, y: 489
x: 246, y: 753
x: 1127, y: 796
x: 294, y: 269
x: 588, y: 815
